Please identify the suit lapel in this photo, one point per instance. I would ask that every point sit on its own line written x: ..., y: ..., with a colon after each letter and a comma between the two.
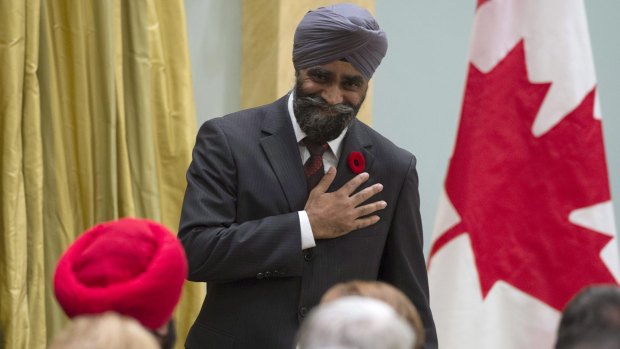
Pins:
x: 355, y: 140
x: 280, y: 147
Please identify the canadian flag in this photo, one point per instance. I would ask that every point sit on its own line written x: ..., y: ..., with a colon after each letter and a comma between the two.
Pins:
x: 525, y: 220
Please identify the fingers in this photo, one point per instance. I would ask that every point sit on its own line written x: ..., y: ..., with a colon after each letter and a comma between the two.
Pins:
x: 370, y: 208
x: 325, y: 182
x: 366, y: 193
x: 366, y: 221
x: 354, y: 183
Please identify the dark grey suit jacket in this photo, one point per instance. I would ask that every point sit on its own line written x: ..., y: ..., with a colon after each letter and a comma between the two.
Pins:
x: 240, y: 230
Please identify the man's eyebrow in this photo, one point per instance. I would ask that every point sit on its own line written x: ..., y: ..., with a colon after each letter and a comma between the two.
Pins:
x: 354, y: 79
x: 319, y: 71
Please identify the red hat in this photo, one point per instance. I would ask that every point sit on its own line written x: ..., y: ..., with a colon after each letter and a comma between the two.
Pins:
x: 134, y: 267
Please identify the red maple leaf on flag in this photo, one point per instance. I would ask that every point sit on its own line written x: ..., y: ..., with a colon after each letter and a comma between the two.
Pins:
x: 514, y: 191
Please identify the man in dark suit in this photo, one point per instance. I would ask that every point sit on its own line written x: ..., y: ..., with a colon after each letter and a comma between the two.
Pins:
x: 256, y: 226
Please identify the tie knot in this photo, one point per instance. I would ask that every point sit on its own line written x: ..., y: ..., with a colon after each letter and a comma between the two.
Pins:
x: 315, y: 148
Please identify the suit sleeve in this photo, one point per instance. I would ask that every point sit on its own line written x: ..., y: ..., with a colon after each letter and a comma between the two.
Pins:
x: 403, y: 264
x: 218, y: 248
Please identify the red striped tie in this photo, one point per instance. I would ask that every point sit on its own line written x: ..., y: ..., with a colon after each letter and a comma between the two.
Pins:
x: 313, y: 168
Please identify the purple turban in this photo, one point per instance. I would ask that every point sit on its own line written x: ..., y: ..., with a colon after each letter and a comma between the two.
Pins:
x: 342, y: 31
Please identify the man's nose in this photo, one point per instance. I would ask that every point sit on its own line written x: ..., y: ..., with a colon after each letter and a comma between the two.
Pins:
x: 333, y: 95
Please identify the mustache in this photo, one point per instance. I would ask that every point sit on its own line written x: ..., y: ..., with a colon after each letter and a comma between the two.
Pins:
x: 319, y: 102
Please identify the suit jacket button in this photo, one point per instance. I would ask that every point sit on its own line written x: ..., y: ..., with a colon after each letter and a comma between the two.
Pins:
x: 303, y: 311
x: 260, y: 276
x: 308, y: 256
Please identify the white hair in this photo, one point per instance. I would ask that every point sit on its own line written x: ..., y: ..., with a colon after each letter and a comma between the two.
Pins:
x: 104, y: 331
x: 355, y: 322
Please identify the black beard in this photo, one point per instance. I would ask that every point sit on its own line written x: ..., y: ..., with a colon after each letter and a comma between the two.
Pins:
x: 321, y: 121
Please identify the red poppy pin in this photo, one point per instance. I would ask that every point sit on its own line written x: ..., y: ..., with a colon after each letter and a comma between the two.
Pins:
x: 356, y: 162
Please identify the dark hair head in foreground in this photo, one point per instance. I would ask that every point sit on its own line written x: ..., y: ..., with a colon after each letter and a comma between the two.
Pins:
x: 591, y: 320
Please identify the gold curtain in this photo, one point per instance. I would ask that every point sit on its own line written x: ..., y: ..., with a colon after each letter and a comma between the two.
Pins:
x: 98, y: 122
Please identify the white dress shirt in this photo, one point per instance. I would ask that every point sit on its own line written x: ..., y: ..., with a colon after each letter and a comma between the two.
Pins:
x: 330, y: 159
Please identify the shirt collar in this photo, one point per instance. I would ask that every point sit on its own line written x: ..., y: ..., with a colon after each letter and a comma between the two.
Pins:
x: 335, y: 145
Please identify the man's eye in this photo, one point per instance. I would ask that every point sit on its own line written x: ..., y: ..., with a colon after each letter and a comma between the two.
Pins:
x: 353, y: 84
x: 319, y: 77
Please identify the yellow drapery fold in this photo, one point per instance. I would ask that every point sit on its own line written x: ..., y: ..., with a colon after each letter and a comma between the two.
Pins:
x: 98, y: 122
x: 21, y: 182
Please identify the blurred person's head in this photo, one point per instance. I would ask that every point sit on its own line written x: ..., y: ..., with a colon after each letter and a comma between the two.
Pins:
x: 355, y: 323
x: 104, y: 331
x: 591, y: 319
x: 386, y: 293
x: 134, y: 267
